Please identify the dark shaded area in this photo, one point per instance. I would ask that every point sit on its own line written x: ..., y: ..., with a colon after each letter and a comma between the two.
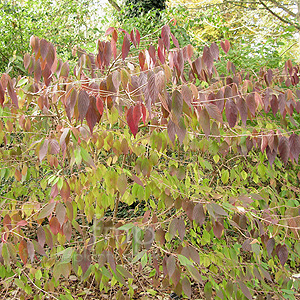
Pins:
x: 134, y: 8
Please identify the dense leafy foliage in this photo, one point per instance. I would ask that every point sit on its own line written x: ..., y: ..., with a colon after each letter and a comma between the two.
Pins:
x: 211, y: 158
x: 65, y: 23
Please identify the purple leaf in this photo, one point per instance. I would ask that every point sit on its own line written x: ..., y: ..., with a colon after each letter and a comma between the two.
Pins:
x: 125, y: 47
x: 294, y: 141
x: 204, y: 121
x: 284, y: 149
x: 199, y: 214
x: 282, y: 253
x: 231, y: 112
x: 83, y: 104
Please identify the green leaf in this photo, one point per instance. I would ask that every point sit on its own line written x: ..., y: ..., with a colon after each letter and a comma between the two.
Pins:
x: 138, y: 256
x: 184, y: 261
x: 225, y: 176
x: 47, y: 210
x: 87, y: 158
x: 126, y: 227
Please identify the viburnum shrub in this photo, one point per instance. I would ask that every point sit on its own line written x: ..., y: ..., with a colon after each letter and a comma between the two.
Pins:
x: 144, y: 171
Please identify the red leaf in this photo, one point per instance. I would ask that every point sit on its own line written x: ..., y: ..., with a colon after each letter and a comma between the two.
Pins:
x: 204, y: 121
x: 281, y: 103
x: 67, y: 230
x: 37, y: 71
x: 50, y: 58
x: 165, y: 35
x: 294, y: 141
x: 107, y: 53
x: 160, y: 54
x: 124, y: 31
x: 44, y: 45
x: 22, y: 223
x: 12, y: 93
x: 54, y: 225
x: 38, y: 248
x: 30, y: 249
x: 270, y: 246
x: 132, y: 38
x: 83, y: 104
x: 177, y: 104
x: 152, y: 88
x: 65, y: 69
x: 47, y: 74
x: 225, y: 46
x: 284, y: 149
x: 187, y: 94
x: 125, y: 47
x: 43, y: 150
x: 26, y: 60
x: 171, y: 131
x: 99, y: 104
x: 109, y: 30
x: 7, y: 222
x: 152, y: 53
x: 214, y: 112
x: 189, y: 51
x: 144, y: 113
x: 92, y: 116
x: 2, y: 93
x: 137, y: 37
x: 114, y: 43
x: 142, y: 59
x: 250, y: 100
x: 181, y: 228
x: 148, y: 237
x: 186, y: 287
x: 84, y: 260
x: 65, y: 190
x: 214, y: 50
x: 23, y: 251
x: 35, y: 43
x: 171, y: 265
x: 282, y: 253
x: 231, y: 112
x: 175, y: 41
x: 245, y: 290
x: 199, y: 214
x: 180, y: 62
x: 54, y: 146
x: 208, y: 59
x: 271, y: 155
x: 71, y: 102
x: 133, y: 118
x: 218, y: 229
x: 137, y: 180
x: 60, y: 213
x: 269, y: 76
x: 111, y: 260
x: 41, y: 236
x: 219, y: 100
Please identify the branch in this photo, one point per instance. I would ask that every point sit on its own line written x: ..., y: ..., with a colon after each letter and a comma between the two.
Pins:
x: 114, y: 4
x: 288, y: 11
x: 279, y: 17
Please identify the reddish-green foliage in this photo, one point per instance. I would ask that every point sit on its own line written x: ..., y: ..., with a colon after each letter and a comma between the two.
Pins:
x: 156, y: 126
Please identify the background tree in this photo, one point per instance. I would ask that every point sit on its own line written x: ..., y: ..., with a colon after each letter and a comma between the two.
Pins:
x: 65, y: 23
x: 256, y: 35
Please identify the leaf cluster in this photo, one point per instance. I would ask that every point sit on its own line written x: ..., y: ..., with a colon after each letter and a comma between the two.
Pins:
x: 212, y: 157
